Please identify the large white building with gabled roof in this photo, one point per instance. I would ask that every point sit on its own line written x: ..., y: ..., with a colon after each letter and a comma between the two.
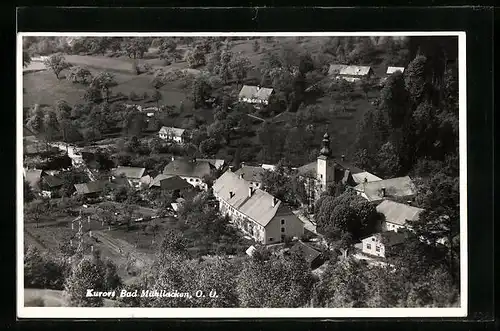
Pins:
x: 257, y: 213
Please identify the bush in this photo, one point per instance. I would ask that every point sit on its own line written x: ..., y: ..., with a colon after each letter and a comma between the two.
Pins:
x: 147, y: 67
x: 132, y: 96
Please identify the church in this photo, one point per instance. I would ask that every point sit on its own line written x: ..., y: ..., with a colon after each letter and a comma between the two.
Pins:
x: 328, y: 170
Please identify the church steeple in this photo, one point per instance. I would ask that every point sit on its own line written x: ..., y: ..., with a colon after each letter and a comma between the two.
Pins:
x: 325, y: 150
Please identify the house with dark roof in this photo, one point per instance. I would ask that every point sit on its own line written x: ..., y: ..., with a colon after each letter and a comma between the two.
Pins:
x: 255, y: 212
x: 313, y: 257
x: 170, y: 183
x: 132, y: 174
x: 251, y: 174
x: 398, y: 215
x: 350, y: 73
x: 394, y: 188
x: 91, y: 189
x: 380, y: 244
x: 255, y: 94
x: 172, y: 134
x: 191, y: 170
x: 51, y: 185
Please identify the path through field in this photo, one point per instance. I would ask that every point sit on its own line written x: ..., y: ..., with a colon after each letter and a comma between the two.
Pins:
x: 121, y: 248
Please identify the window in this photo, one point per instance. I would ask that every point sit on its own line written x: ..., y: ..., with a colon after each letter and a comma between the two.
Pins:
x: 373, y: 239
x: 368, y: 246
x: 197, y: 180
x: 321, y: 176
x: 282, y: 222
x: 191, y: 179
x: 271, y: 238
x: 377, y: 248
x: 282, y: 229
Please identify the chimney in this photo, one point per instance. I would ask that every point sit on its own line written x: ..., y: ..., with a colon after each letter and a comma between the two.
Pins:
x: 194, y: 159
x: 173, y: 158
x: 342, y: 157
x: 241, y: 176
x: 250, y: 192
x: 366, y: 180
x: 231, y: 194
x: 383, y: 191
x: 258, y: 87
x: 231, y: 168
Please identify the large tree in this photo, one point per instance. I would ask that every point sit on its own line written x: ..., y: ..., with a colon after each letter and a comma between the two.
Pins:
x: 57, y: 63
x: 104, y: 81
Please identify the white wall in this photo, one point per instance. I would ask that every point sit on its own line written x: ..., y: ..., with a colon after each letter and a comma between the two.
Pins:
x: 370, y: 246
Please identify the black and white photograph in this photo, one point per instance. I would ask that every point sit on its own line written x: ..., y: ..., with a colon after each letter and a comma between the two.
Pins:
x: 275, y: 174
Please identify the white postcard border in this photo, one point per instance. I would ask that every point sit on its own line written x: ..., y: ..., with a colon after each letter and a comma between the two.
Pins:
x: 119, y: 312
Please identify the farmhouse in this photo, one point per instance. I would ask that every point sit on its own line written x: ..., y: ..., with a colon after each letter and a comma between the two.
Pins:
x: 350, y: 73
x: 251, y: 174
x: 172, y: 134
x: 50, y: 185
x: 313, y: 257
x: 380, y: 244
x: 394, y: 188
x: 255, y: 94
x: 91, y: 189
x: 328, y: 170
x: 391, y: 70
x: 170, y: 183
x: 132, y: 174
x: 193, y: 171
x: 256, y: 212
x: 397, y: 215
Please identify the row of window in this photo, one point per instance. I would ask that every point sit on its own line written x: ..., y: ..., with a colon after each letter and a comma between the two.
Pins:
x: 369, y: 246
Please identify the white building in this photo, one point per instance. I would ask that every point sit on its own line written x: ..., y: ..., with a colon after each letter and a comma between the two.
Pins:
x: 172, y: 134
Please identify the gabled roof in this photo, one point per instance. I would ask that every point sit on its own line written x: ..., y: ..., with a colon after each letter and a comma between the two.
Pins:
x: 129, y: 172
x: 388, y: 238
x: 391, y: 70
x: 157, y: 180
x: 53, y: 181
x: 258, y: 207
x: 310, y: 254
x: 395, y: 187
x: 176, y: 132
x: 217, y: 163
x: 254, y: 92
x: 170, y: 182
x: 251, y: 173
x: 355, y: 70
x: 188, y: 168
x: 348, y: 70
x: 91, y: 187
x: 398, y: 213
x: 335, y: 69
x: 361, y: 176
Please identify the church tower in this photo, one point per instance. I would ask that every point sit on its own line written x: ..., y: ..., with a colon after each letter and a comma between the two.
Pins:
x: 325, y: 165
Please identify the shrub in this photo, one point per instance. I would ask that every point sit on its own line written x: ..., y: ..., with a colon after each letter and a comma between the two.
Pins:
x: 147, y: 67
x: 132, y: 96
